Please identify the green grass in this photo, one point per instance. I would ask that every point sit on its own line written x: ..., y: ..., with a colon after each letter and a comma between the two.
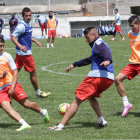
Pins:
x: 83, y: 126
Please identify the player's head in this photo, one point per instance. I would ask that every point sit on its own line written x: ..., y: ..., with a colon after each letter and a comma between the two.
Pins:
x: 50, y: 14
x: 116, y: 10
x: 134, y: 23
x: 26, y: 14
x: 1, y: 44
x: 90, y: 34
x: 13, y: 16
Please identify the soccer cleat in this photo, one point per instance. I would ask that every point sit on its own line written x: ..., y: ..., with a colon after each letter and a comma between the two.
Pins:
x: 46, y: 118
x: 102, y: 123
x: 126, y: 109
x: 123, y: 39
x: 44, y: 94
x: 56, y: 128
x: 47, y: 46
x: 23, y: 127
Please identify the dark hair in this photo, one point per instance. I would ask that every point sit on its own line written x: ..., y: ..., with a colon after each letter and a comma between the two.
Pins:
x: 50, y: 11
x: 2, y: 39
x: 134, y: 18
x: 88, y: 29
x: 116, y: 9
x: 26, y: 9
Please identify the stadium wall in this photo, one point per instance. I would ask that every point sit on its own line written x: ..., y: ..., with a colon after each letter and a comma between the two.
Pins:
x: 70, y: 26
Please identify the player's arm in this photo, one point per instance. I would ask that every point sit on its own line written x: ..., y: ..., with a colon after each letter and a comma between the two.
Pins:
x: 37, y: 42
x: 20, y: 29
x: 103, y: 51
x: 79, y: 63
x: 14, y: 71
x: 15, y: 77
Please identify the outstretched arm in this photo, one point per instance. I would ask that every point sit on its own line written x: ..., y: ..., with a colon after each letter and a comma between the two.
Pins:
x: 37, y: 42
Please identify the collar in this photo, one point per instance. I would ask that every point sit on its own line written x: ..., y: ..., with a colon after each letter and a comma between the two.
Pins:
x: 91, y: 44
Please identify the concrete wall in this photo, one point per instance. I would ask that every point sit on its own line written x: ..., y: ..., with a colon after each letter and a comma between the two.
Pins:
x: 64, y: 26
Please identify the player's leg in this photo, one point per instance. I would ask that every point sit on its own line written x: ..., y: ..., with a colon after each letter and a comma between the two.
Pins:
x: 29, y: 66
x: 49, y: 36
x: 118, y: 82
x: 122, y: 36
x: 35, y: 107
x: 68, y: 115
x: 6, y: 106
x: 95, y: 105
x: 53, y: 37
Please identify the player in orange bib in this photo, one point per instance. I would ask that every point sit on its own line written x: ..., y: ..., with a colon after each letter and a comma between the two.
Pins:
x: 132, y: 69
x: 9, y: 87
x: 52, y: 23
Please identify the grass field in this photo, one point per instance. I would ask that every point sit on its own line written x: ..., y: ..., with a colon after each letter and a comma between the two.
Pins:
x: 52, y: 78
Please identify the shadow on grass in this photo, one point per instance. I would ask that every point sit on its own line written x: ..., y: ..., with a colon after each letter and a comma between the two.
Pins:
x: 85, y: 125
x: 4, y: 125
x: 7, y: 125
x: 136, y: 114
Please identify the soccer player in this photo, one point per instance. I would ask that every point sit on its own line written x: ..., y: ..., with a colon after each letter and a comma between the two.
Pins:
x: 9, y: 87
x: 1, y: 23
x: 52, y: 23
x: 13, y: 23
x: 132, y: 69
x: 98, y: 80
x: 23, y: 49
x: 42, y: 23
x: 117, y: 23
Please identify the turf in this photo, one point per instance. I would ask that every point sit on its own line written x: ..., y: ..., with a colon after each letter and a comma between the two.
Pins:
x: 52, y: 78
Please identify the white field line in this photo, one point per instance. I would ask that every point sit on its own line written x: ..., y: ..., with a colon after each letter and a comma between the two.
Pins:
x: 45, y: 68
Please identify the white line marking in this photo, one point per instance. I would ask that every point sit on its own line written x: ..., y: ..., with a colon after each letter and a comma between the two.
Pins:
x: 45, y: 68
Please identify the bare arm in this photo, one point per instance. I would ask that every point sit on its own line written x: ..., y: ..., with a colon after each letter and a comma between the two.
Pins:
x: 14, y: 40
x: 37, y: 42
x: 15, y: 77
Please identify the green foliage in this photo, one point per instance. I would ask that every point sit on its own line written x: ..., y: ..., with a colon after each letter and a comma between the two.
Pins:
x: 83, y: 125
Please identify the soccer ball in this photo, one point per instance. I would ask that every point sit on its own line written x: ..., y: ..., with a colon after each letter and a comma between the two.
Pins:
x: 63, y: 108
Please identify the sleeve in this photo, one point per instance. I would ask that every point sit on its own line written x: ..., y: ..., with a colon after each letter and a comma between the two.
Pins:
x: 103, y: 51
x: 20, y: 29
x: 82, y: 62
x: 11, y: 61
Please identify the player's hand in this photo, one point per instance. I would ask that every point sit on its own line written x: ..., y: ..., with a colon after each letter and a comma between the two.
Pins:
x: 11, y: 91
x: 5, y: 73
x: 69, y: 68
x: 23, y: 48
x: 38, y: 43
x: 105, y: 63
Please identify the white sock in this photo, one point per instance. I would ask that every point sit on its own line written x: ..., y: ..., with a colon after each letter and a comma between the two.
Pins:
x: 38, y: 92
x: 100, y: 119
x: 22, y: 122
x: 125, y: 101
x: 113, y: 38
x: 60, y: 125
x: 52, y: 45
x: 43, y: 112
x: 48, y: 45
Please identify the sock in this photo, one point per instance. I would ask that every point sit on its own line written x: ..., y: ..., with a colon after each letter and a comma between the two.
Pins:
x: 52, y: 44
x: 48, y: 45
x: 38, y: 92
x: 100, y: 119
x: 113, y: 38
x: 22, y: 122
x: 43, y: 112
x: 60, y: 125
x: 125, y: 101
